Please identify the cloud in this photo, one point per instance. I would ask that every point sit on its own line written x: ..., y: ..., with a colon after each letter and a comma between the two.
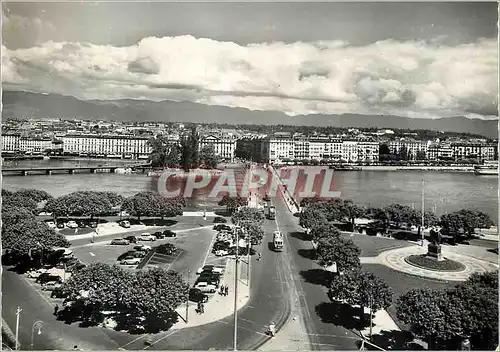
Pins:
x: 20, y: 31
x: 388, y: 77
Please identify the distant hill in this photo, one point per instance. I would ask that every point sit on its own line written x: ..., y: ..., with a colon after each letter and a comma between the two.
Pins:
x: 19, y: 104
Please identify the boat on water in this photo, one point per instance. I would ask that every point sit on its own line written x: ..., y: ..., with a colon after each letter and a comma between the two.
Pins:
x: 488, y: 168
x: 123, y: 170
x: 182, y: 173
x: 45, y: 157
x: 344, y: 168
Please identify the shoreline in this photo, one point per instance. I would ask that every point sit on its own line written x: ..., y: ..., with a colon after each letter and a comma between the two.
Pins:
x: 418, y: 168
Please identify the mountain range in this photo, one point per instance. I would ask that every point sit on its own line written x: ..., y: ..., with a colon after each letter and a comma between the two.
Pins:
x: 28, y: 104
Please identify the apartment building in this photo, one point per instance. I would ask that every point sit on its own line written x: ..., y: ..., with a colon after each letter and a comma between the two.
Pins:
x: 481, y: 151
x: 281, y: 146
x: 36, y: 145
x: 224, y: 146
x: 350, y: 151
x: 439, y: 151
x: 11, y: 142
x: 368, y: 151
x: 111, y: 146
x: 412, y: 146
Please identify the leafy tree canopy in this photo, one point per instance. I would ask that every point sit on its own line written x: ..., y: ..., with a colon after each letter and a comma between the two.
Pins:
x: 338, y: 250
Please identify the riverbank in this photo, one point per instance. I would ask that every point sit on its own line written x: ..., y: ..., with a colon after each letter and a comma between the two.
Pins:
x: 417, y: 168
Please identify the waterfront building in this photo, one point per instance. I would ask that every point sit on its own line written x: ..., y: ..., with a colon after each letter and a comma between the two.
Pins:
x: 34, y: 145
x: 11, y: 142
x: 480, y: 151
x: 412, y: 147
x: 349, y: 151
x: 224, y: 146
x: 129, y: 147
x: 368, y: 151
x: 281, y: 146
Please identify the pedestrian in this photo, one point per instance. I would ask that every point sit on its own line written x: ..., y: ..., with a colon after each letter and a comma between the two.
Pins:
x: 202, y: 307
x: 199, y: 308
x: 75, y: 347
x: 56, y: 309
x: 221, y: 292
x: 226, y: 290
x: 259, y: 257
x: 272, y: 329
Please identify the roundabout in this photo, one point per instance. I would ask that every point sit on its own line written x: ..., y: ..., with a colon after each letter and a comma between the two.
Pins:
x: 424, y: 262
x: 455, y: 267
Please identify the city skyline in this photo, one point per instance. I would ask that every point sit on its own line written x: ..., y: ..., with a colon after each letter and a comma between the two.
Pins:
x: 404, y: 59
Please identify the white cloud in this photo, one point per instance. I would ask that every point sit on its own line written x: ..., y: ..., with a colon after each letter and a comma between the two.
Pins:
x: 402, y: 78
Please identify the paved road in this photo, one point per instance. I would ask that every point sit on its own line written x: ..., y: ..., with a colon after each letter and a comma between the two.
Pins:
x: 17, y: 291
x: 323, y: 335
x: 268, y: 302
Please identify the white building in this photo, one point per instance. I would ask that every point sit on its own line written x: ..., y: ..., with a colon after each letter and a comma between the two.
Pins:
x: 224, y: 147
x: 368, y: 151
x: 281, y: 146
x: 412, y: 146
x: 350, y: 151
x: 10, y: 142
x: 107, y: 146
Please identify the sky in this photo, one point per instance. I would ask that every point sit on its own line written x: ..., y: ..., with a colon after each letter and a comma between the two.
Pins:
x: 423, y: 60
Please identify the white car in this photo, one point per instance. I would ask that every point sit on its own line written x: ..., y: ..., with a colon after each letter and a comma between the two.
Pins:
x: 221, y: 253
x: 213, y: 268
x: 36, y: 273
x: 51, y: 224
x: 72, y: 224
x: 142, y: 247
x: 131, y: 261
x: 147, y: 237
x: 51, y: 286
x: 206, y: 287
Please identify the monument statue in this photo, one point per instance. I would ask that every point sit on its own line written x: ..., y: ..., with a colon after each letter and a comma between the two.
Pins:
x: 434, y: 247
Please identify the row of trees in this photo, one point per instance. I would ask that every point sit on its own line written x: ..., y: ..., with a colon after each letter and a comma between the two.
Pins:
x: 446, y: 318
x: 251, y: 220
x: 144, y: 299
x: 317, y: 210
x: 186, y: 154
x: 232, y: 203
x: 92, y: 204
x: 22, y: 233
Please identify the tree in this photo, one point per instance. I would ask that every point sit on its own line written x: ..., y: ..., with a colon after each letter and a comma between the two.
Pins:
x: 431, y: 314
x: 324, y: 230
x: 465, y: 220
x: 248, y: 214
x: 232, y: 203
x: 189, y: 145
x: 82, y: 203
x: 363, y: 288
x: 159, y: 150
x: 340, y: 251
x: 310, y: 218
x: 168, y: 207
x: 23, y: 234
x: 253, y: 230
x: 19, y: 201
x: 352, y: 211
x: 399, y: 214
x: 143, y: 204
x: 208, y: 157
x: 114, y: 198
x: 384, y: 149
x: 35, y: 194
x: 420, y: 155
x: 154, y: 295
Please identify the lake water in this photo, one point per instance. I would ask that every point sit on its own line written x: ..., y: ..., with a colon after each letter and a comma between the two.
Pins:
x: 444, y: 191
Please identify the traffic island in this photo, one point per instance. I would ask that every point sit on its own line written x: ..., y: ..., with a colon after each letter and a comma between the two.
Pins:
x: 425, y: 262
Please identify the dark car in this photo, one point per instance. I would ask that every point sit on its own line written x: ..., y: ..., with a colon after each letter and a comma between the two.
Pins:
x: 219, y: 220
x: 139, y: 254
x: 169, y: 233
x: 222, y: 227
x: 159, y: 235
x: 57, y: 293
x: 209, y: 278
x: 46, y: 277
x: 167, y: 248
x: 131, y: 239
x: 195, y: 295
x: 81, y: 224
x: 60, y: 225
x: 220, y: 245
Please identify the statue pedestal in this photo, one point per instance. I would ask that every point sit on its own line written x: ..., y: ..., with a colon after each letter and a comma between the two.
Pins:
x: 434, y: 252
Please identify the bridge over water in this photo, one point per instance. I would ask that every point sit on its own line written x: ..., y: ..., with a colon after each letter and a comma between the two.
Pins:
x: 49, y: 170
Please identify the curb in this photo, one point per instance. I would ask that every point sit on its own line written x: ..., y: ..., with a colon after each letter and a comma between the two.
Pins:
x: 11, y: 338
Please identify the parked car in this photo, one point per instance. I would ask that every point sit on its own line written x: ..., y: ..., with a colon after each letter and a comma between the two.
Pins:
x: 139, y: 254
x: 205, y: 287
x: 219, y: 220
x: 222, y: 227
x: 51, y: 224
x: 72, y: 224
x: 195, y: 295
x: 60, y: 225
x: 57, y: 293
x: 93, y: 224
x: 123, y: 213
x: 167, y: 248
x: 213, y: 268
x: 142, y: 247
x: 125, y: 224
x: 51, y: 286
x: 210, y: 279
x: 221, y: 252
x: 120, y: 241
x: 82, y: 224
x: 146, y: 236
x: 47, y: 277
x: 130, y: 260
x: 131, y: 239
x: 36, y: 273
x: 159, y: 235
x: 169, y: 233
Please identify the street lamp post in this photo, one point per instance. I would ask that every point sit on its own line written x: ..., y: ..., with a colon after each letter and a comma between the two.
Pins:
x: 36, y: 325
x: 236, y: 289
x: 187, y: 296
x: 18, y: 312
x: 371, y: 315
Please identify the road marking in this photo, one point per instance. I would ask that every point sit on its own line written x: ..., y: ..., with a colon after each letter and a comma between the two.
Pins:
x: 162, y: 338
x: 38, y: 291
x: 173, y: 261
x: 92, y: 254
x: 134, y: 340
x: 209, y: 249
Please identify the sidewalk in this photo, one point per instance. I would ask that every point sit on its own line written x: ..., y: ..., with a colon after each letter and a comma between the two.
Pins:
x: 290, y: 337
x: 218, y: 307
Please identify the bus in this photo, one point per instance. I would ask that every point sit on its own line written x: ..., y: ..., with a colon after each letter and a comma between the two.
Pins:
x: 278, y: 241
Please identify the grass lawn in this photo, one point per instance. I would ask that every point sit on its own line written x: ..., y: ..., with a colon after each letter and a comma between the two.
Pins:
x: 372, y: 246
x: 424, y: 262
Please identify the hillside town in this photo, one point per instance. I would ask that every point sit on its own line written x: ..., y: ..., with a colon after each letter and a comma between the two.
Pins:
x: 121, y: 140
